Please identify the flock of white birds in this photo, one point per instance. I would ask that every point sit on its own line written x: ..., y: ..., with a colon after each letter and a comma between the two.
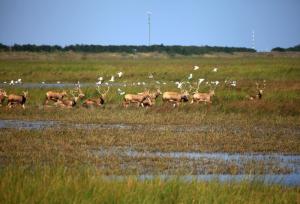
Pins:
x: 179, y: 84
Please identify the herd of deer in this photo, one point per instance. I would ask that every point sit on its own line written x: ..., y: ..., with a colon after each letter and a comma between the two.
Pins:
x: 143, y: 99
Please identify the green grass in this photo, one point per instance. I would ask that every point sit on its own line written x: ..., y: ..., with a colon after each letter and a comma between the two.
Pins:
x: 84, y: 185
x: 282, y: 73
x: 71, y: 69
x: 61, y: 165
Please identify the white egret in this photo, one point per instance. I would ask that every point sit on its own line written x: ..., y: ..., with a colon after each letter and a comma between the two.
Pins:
x: 120, y: 74
x: 112, y: 79
x: 200, y: 81
x: 196, y: 67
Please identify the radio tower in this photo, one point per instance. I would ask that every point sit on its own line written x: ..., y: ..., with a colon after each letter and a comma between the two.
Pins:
x: 253, y: 39
x: 149, y: 24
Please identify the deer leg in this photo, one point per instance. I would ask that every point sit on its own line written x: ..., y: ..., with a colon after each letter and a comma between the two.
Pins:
x: 46, y: 101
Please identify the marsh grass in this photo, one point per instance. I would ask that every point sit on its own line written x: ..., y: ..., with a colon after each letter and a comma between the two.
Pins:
x: 73, y: 148
x: 61, y: 165
x: 84, y: 185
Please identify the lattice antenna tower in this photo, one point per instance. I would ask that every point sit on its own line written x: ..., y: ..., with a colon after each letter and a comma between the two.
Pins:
x: 253, y: 39
x: 149, y: 27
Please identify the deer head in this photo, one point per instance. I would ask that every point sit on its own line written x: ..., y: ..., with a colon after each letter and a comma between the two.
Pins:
x: 79, y: 92
x: 259, y: 88
x: 3, y: 93
x: 74, y: 96
x: 25, y: 94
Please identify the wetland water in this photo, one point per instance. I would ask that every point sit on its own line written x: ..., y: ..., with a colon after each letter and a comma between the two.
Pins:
x: 280, y: 179
x: 42, y: 124
x: 290, y: 175
x: 291, y: 162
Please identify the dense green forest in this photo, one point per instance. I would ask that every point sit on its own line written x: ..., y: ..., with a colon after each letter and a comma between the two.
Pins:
x: 174, y: 49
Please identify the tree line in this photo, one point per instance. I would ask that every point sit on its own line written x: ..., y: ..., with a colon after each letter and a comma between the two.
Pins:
x: 290, y: 49
x: 169, y: 49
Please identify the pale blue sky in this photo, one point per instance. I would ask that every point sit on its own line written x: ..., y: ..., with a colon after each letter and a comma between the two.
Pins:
x: 174, y: 22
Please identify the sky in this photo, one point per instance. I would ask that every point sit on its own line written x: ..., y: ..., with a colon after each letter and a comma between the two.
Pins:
x: 173, y: 22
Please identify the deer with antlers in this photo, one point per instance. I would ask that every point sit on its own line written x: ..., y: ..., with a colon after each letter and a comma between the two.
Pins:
x: 175, y: 97
x: 199, y: 97
x: 3, y: 95
x: 54, y: 96
x: 97, y: 101
x: 155, y: 95
x: 152, y: 96
x: 203, y: 97
x: 14, y: 99
x: 259, y: 92
x: 66, y: 102
x: 137, y: 98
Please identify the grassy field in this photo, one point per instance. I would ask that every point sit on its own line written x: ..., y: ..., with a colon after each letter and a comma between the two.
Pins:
x: 81, y: 185
x: 67, y: 159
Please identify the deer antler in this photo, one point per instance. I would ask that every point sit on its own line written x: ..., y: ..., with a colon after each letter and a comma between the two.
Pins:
x: 104, y: 93
x: 264, y: 84
x: 257, y: 85
x: 72, y: 93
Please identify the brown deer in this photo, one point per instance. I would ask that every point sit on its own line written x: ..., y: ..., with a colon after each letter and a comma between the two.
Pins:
x: 136, y: 98
x: 14, y: 99
x: 203, y: 97
x: 67, y: 103
x: 153, y: 96
x: 97, y: 101
x: 54, y: 96
x: 3, y: 95
x: 258, y: 94
x: 175, y: 97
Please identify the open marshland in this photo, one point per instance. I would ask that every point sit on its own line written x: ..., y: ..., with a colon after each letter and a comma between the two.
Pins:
x: 158, y: 154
